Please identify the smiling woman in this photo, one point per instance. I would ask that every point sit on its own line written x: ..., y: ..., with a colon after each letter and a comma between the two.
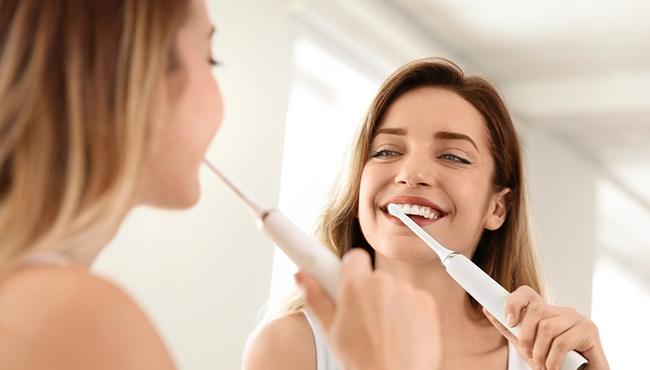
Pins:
x: 441, y: 145
x: 430, y: 109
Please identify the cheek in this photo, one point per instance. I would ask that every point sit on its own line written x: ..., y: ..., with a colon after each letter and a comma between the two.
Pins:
x: 470, y: 204
x: 369, y: 191
x: 181, y: 143
x: 209, y: 94
x: 197, y: 119
x: 366, y: 193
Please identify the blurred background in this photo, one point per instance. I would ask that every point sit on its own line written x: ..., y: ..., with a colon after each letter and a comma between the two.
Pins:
x: 297, y: 77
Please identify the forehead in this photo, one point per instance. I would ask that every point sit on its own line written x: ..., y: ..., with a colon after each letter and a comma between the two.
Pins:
x: 426, y: 110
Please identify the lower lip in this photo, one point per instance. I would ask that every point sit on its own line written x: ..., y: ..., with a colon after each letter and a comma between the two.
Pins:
x: 421, y: 221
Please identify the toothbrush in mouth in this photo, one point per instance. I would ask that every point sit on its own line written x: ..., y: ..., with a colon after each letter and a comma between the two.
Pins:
x: 475, y: 281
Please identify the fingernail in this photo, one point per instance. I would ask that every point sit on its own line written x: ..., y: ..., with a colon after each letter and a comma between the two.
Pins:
x: 510, y: 319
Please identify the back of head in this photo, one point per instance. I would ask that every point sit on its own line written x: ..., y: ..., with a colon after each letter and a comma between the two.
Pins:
x: 79, y: 83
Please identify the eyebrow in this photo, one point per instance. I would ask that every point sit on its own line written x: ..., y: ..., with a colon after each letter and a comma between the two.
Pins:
x: 443, y: 135
x: 391, y: 131
x: 446, y: 135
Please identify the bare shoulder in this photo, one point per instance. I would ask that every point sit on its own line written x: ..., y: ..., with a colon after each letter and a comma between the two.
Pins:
x: 68, y: 318
x: 285, y: 343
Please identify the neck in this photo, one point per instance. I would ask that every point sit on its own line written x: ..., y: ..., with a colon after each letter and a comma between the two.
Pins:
x: 431, y: 277
x: 458, y: 319
x: 84, y: 255
x: 84, y: 248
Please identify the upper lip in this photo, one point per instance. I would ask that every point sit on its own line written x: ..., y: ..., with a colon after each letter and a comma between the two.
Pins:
x: 415, y: 200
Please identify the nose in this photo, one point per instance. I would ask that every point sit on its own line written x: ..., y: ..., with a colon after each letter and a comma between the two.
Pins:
x: 415, y: 172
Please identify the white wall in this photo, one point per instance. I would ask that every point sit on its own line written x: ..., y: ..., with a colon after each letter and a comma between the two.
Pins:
x: 562, y: 190
x: 204, y: 274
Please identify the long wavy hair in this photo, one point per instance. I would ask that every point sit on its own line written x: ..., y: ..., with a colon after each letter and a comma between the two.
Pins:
x: 79, y: 87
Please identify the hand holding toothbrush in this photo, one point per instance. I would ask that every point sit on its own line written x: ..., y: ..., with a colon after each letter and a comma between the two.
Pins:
x: 377, y: 322
x: 549, y: 332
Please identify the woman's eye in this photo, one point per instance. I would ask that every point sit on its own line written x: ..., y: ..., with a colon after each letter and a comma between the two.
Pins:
x: 213, y: 62
x: 384, y: 153
x: 454, y: 158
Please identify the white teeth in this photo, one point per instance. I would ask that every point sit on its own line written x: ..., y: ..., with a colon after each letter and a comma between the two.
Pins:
x: 426, y: 212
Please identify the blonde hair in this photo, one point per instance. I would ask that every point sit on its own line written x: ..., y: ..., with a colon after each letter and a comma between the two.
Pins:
x: 506, y: 254
x: 79, y: 83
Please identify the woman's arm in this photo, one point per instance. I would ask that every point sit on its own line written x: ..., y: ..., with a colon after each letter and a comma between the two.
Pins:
x: 66, y: 318
x: 549, y: 332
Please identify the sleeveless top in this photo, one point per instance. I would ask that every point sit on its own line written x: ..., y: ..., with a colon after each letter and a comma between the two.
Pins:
x: 325, y: 358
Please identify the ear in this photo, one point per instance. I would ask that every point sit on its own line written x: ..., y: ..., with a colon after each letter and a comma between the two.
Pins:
x: 498, y: 209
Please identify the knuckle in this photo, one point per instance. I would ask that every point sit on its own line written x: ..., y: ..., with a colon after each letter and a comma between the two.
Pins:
x: 535, y: 308
x: 546, y: 326
x: 572, y: 311
x: 525, y: 291
x: 589, y: 325
x: 562, y: 343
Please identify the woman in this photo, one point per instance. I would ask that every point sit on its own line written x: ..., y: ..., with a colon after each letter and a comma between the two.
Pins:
x: 104, y: 105
x: 441, y: 144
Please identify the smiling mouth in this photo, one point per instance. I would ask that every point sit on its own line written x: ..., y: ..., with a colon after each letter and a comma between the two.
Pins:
x: 421, y: 214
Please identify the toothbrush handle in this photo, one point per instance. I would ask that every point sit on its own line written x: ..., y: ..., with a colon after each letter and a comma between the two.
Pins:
x: 493, y: 297
x: 308, y: 254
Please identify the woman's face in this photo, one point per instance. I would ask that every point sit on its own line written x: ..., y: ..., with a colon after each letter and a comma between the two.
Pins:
x: 189, y: 117
x: 431, y: 150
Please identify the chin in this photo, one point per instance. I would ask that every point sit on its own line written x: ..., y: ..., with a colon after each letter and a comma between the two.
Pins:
x: 190, y: 199
x: 180, y: 198
x: 406, y: 253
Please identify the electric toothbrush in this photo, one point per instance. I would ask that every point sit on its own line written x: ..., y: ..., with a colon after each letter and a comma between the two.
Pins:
x: 487, y: 292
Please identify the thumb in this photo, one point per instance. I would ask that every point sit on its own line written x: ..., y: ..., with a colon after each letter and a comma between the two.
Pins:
x: 317, y: 299
x: 356, y: 263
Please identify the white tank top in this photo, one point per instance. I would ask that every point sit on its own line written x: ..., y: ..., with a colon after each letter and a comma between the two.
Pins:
x: 325, y: 359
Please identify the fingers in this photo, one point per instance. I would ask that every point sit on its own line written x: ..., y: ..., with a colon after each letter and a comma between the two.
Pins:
x: 317, y: 299
x: 359, y: 281
x: 517, y: 302
x: 581, y: 337
x: 533, y: 315
x: 356, y: 263
x: 564, y: 343
x: 547, y: 330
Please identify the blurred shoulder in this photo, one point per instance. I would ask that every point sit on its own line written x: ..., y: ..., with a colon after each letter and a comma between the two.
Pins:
x: 284, y: 343
x: 74, y: 319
